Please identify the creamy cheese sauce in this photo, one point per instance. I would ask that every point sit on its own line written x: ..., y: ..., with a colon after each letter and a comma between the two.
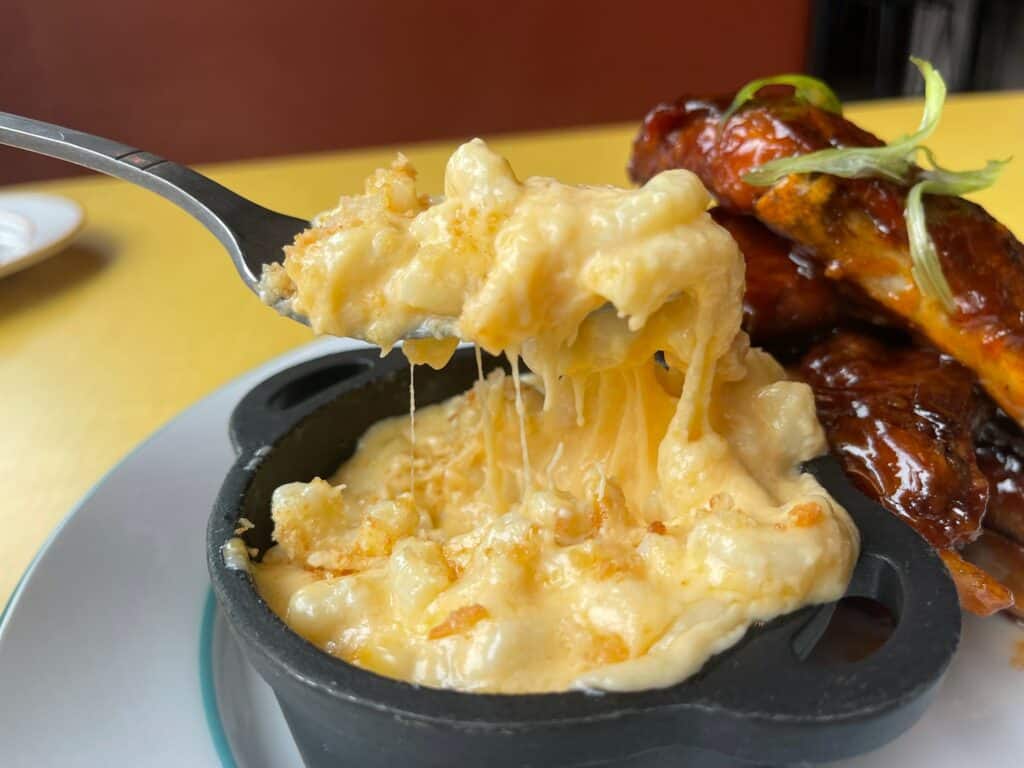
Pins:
x: 608, y: 522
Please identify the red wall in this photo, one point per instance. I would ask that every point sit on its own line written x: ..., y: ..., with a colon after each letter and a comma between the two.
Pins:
x: 217, y: 80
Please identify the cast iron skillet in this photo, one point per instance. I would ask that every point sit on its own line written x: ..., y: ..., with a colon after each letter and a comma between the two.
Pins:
x: 760, y: 702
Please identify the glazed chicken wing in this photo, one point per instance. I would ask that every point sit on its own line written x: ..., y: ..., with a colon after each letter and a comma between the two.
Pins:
x: 690, y: 134
x: 901, y: 420
x: 932, y: 447
x: 855, y: 227
x: 787, y: 300
x: 999, y: 446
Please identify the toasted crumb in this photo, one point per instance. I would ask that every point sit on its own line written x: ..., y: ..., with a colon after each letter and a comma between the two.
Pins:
x: 275, y: 285
x: 608, y: 649
x: 459, y: 621
x: 327, y: 573
x: 805, y: 515
x: 244, y: 524
x: 721, y: 502
x: 657, y: 527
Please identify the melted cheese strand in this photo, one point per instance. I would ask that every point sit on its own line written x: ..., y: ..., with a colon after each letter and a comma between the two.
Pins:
x: 521, y: 415
x: 412, y: 432
x: 487, y: 427
x: 479, y: 364
x: 549, y: 471
x: 577, y: 399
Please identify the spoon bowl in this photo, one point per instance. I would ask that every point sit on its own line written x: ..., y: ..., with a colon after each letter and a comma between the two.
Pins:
x: 253, y: 236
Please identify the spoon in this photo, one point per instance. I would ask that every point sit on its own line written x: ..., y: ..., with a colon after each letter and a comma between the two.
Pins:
x: 253, y: 235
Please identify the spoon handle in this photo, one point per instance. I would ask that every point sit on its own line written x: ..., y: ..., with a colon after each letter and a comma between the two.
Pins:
x: 230, y: 217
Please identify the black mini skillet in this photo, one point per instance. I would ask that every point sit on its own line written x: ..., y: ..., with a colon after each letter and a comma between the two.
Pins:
x: 763, y: 702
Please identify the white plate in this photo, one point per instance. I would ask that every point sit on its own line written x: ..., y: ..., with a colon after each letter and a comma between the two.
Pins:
x: 113, y: 654
x: 34, y: 226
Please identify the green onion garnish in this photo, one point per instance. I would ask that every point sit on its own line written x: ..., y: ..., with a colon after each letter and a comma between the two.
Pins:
x: 896, y: 162
x: 807, y: 88
x: 925, y: 265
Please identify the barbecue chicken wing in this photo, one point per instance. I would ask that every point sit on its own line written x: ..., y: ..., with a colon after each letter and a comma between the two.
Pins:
x: 854, y: 228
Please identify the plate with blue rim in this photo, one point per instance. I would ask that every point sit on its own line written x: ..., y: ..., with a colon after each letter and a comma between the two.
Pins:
x: 112, y: 651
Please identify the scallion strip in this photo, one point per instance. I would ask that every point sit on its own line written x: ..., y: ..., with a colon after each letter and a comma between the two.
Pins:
x: 807, y: 88
x: 896, y: 162
x: 893, y: 161
x: 924, y: 258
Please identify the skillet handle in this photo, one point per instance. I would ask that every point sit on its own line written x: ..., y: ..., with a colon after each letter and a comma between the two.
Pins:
x: 794, y: 710
x: 278, y: 402
x: 902, y: 571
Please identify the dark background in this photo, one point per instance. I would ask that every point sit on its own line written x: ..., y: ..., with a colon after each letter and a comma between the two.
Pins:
x: 861, y: 47
x: 218, y: 80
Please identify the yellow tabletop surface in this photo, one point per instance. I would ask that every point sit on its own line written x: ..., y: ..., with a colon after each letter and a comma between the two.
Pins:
x: 144, y: 313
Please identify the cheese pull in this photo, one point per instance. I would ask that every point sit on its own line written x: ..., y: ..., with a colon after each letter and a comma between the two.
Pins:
x: 609, y: 519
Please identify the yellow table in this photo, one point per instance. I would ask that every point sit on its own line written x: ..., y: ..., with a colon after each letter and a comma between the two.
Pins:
x: 144, y: 314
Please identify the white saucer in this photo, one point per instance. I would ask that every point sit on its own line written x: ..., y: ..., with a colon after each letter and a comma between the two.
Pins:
x: 113, y: 654
x: 34, y: 226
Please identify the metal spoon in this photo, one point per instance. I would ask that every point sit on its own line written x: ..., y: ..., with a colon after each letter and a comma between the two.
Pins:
x: 253, y: 235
